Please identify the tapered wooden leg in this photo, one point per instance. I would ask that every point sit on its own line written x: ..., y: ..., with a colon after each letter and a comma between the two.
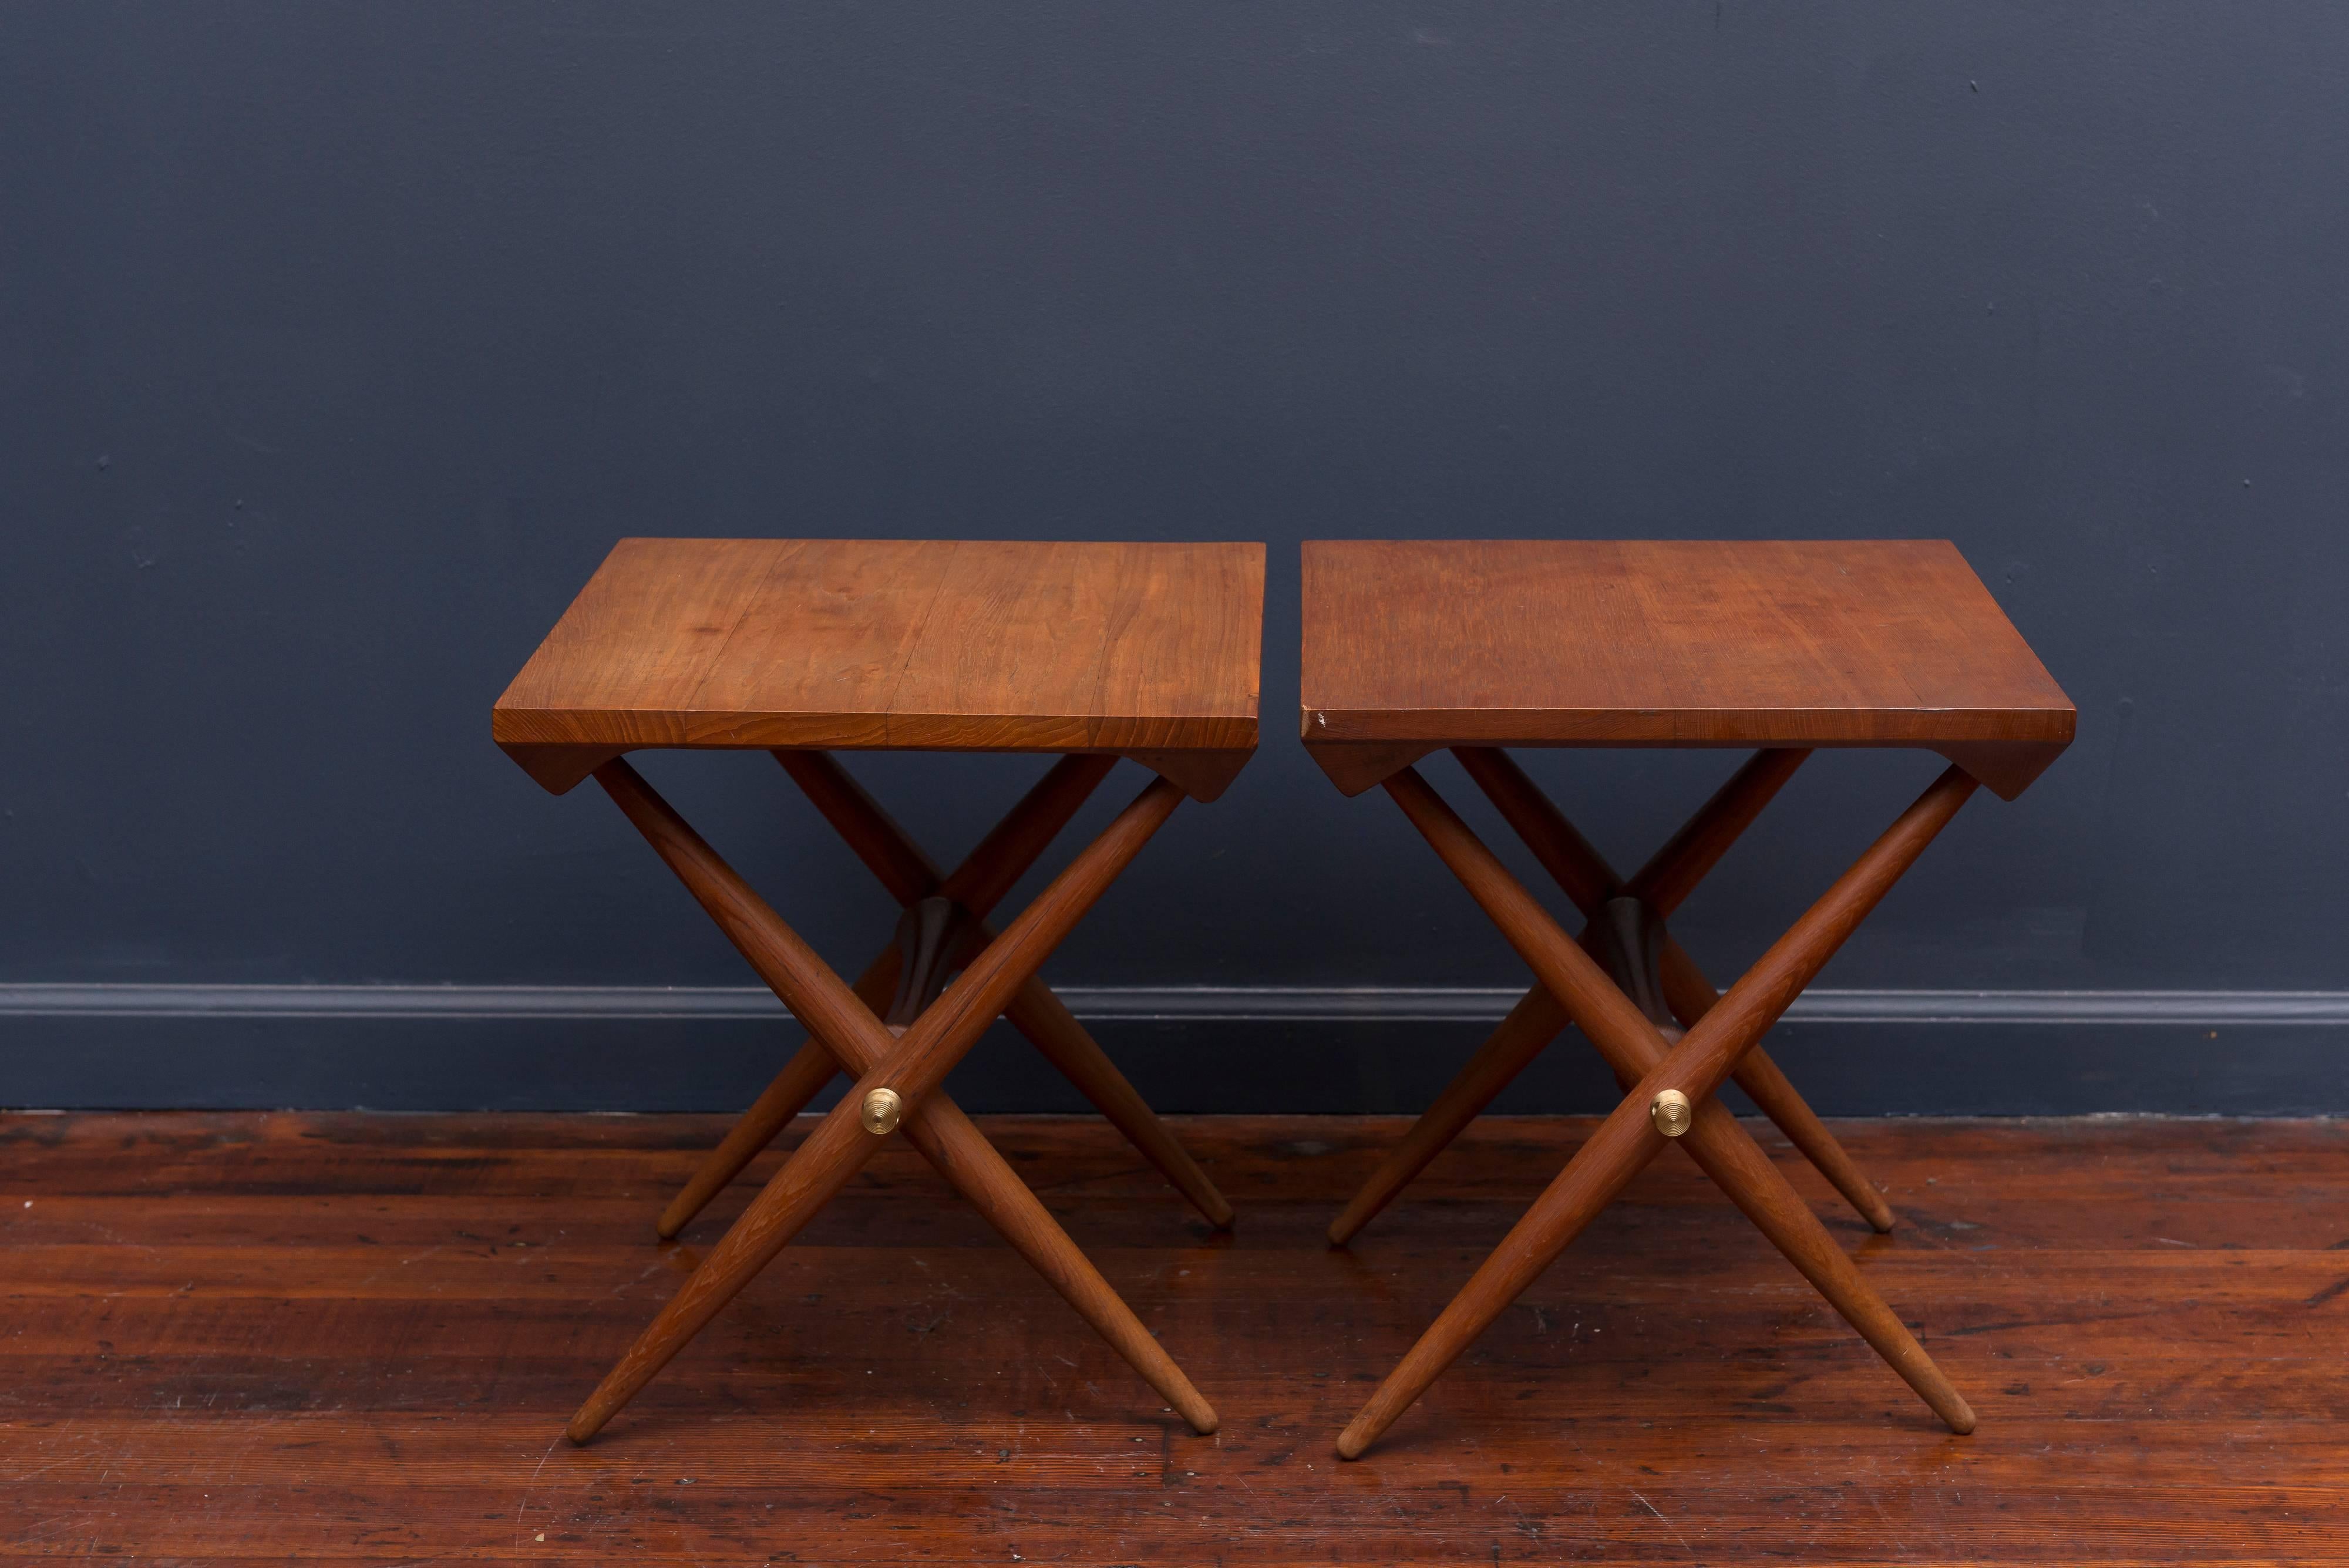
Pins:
x: 1767, y: 1086
x: 814, y: 1174
x: 986, y: 874
x: 790, y: 1092
x: 1688, y: 857
x: 964, y: 1157
x: 1671, y: 875
x: 911, y: 1068
x: 1054, y: 1031
x: 1739, y: 1166
x: 978, y: 885
x: 918, y: 1062
x: 1599, y: 1170
x: 1522, y: 1035
x: 1695, y: 1067
x: 990, y: 870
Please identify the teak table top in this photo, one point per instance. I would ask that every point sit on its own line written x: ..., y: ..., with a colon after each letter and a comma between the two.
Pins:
x: 1414, y: 646
x: 1148, y: 650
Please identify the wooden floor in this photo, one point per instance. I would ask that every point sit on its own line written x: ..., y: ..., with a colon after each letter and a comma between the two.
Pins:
x: 270, y: 1338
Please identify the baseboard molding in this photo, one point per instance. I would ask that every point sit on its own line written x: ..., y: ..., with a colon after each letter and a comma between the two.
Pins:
x: 1204, y: 1049
x: 1169, y: 1004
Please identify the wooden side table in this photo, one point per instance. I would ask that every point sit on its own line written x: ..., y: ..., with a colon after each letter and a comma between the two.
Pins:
x: 1414, y: 647
x: 803, y: 647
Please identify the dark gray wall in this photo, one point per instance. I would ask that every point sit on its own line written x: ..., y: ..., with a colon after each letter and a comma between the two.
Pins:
x: 337, y: 342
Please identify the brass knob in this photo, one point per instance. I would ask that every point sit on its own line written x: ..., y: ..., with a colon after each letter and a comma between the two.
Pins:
x: 1671, y: 1111
x: 880, y: 1111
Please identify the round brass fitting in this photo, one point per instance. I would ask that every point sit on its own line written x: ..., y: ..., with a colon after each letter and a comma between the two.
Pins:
x: 1672, y: 1112
x: 881, y: 1112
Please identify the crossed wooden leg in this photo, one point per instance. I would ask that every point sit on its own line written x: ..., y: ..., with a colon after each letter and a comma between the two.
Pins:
x: 1671, y: 875
x: 1688, y: 1071
x: 896, y: 1088
x: 975, y: 888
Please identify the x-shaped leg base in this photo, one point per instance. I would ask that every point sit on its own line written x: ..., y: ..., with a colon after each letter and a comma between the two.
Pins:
x: 1670, y: 1078
x: 897, y: 1073
x: 973, y: 888
x: 1658, y: 887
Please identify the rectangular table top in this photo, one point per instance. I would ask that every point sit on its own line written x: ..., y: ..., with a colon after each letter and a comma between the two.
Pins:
x: 1411, y: 645
x: 1148, y: 649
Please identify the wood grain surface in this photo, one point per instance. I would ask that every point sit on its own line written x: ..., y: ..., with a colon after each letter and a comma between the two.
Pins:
x: 1411, y: 645
x: 1144, y: 649
x: 354, y: 1340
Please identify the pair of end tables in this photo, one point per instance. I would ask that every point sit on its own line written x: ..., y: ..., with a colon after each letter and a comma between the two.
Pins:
x: 1150, y: 651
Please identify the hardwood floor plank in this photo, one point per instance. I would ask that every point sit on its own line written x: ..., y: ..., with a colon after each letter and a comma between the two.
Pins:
x: 352, y: 1339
